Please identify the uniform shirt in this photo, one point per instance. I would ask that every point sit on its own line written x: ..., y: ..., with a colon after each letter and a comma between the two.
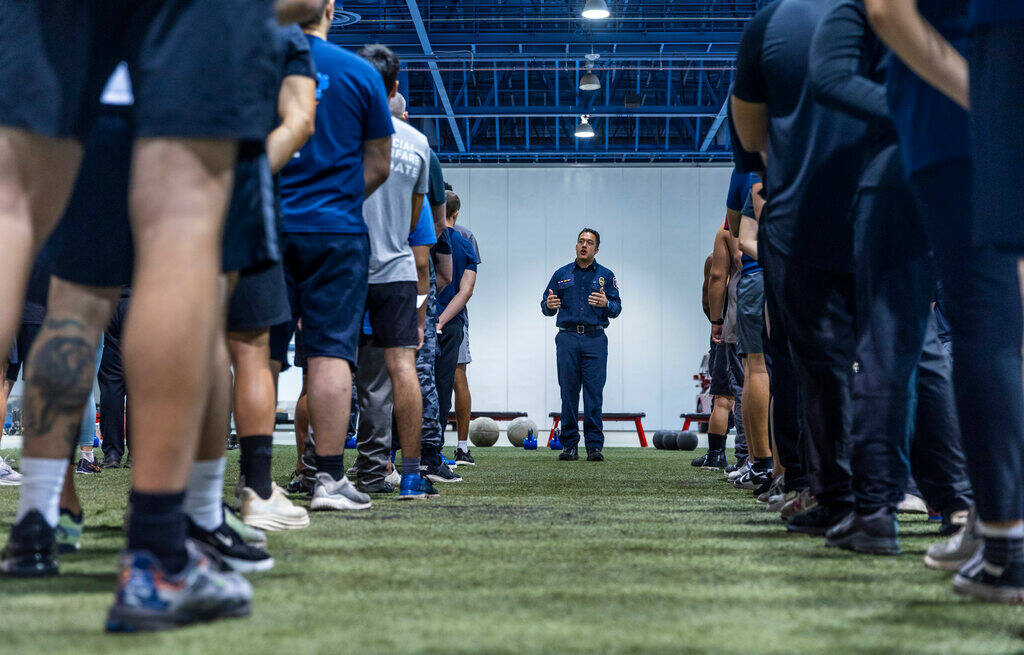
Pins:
x: 436, y: 195
x: 814, y: 154
x: 984, y: 12
x: 388, y: 212
x: 573, y: 286
x: 931, y: 127
x: 467, y: 233
x: 322, y: 186
x: 463, y: 259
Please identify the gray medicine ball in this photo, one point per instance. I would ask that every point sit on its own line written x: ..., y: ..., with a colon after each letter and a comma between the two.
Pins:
x: 518, y: 429
x: 483, y: 431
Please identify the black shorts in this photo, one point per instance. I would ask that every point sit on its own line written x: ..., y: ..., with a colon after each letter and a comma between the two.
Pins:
x: 22, y: 345
x: 280, y: 338
x: 392, y: 309
x: 726, y: 371
x: 92, y: 245
x: 191, y: 64
x: 327, y: 277
x: 260, y: 300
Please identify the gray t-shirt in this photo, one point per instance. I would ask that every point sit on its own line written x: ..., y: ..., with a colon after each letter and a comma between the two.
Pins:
x: 466, y: 232
x: 388, y: 212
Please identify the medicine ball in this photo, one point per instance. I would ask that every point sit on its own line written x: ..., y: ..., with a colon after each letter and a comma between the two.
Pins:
x: 518, y: 429
x: 686, y: 441
x: 483, y: 431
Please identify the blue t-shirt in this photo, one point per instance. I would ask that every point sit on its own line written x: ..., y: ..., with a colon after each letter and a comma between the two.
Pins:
x: 931, y: 127
x: 463, y: 259
x: 322, y: 187
x: 984, y: 12
x: 739, y: 187
x: 424, y: 234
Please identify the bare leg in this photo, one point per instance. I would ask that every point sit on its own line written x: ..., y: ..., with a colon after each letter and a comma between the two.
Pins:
x: 755, y: 405
x: 254, y: 392
x: 719, y: 421
x: 401, y: 365
x: 68, y: 494
x: 330, y: 400
x: 301, y: 424
x: 178, y: 198
x: 463, y: 402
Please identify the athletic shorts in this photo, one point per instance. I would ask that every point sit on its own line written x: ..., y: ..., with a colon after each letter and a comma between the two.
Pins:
x: 259, y: 301
x: 464, y: 355
x: 725, y: 365
x: 280, y: 338
x: 997, y: 135
x: 393, y: 320
x: 750, y: 313
x: 22, y: 345
x: 92, y: 245
x: 327, y: 277
x: 191, y: 63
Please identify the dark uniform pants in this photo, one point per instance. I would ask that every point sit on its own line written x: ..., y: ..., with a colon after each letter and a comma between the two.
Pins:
x: 426, y: 360
x: 376, y: 402
x: 448, y: 344
x: 113, y: 415
x: 582, y: 363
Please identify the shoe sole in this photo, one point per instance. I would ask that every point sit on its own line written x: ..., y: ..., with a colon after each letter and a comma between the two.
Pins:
x: 813, y: 530
x: 31, y: 572
x: 873, y: 547
x: 10, y: 483
x: 711, y: 468
x: 248, y: 566
x: 412, y: 496
x: 943, y: 565
x: 438, y: 478
x: 987, y: 593
x: 274, y: 524
x: 467, y: 463
x: 128, y: 619
x: 321, y: 503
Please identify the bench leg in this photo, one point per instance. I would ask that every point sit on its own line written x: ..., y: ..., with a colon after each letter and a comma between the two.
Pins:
x: 554, y: 426
x: 640, y: 433
x: 686, y: 425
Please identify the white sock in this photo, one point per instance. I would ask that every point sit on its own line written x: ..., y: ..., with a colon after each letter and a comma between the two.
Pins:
x: 464, y: 446
x: 40, y: 488
x: 205, y: 493
x: 88, y: 456
x: 1015, y: 531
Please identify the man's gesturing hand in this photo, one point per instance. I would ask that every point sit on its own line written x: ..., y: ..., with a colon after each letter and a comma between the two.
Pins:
x: 598, y: 299
x: 553, y: 301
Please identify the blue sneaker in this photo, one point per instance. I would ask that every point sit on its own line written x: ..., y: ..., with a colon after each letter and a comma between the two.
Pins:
x: 350, y: 443
x: 451, y: 463
x: 148, y: 598
x: 416, y: 486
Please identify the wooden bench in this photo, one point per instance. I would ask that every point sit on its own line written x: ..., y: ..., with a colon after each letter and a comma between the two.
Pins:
x: 497, y: 416
x: 689, y: 417
x: 634, y: 417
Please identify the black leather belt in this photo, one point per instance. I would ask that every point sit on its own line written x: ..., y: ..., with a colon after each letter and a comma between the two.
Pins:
x: 581, y: 328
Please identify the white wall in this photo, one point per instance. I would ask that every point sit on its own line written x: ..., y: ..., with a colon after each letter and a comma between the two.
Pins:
x: 657, y: 226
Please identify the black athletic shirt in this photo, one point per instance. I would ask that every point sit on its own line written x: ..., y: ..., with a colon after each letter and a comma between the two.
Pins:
x: 814, y: 154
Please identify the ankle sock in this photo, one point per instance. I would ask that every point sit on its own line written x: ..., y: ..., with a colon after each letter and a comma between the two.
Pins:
x: 256, y: 454
x: 716, y: 441
x: 762, y: 464
x: 40, y: 488
x: 410, y: 465
x: 88, y: 456
x: 205, y: 493
x: 464, y: 446
x: 156, y: 522
x: 334, y: 465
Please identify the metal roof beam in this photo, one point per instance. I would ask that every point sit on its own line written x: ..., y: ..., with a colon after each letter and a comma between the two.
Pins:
x: 421, y: 32
x: 715, y: 126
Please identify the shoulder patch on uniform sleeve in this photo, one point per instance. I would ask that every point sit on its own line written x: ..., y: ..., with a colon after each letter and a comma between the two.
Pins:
x: 615, y: 281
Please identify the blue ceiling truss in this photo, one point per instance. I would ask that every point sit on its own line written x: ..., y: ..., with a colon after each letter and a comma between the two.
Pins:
x: 498, y: 80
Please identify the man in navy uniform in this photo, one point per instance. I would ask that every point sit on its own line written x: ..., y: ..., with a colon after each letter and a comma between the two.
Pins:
x: 585, y: 295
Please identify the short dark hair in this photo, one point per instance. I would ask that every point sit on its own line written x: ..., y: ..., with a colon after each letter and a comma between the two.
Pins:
x: 384, y: 60
x: 452, y: 203
x: 314, y: 19
x: 597, y: 235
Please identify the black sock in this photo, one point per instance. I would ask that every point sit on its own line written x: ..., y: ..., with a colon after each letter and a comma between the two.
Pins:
x: 257, y: 451
x: 77, y: 518
x: 716, y: 441
x: 156, y: 522
x: 762, y: 464
x: 332, y: 464
x: 1003, y: 550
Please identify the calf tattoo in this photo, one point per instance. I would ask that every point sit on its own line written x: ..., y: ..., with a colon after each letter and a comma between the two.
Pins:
x: 58, y: 380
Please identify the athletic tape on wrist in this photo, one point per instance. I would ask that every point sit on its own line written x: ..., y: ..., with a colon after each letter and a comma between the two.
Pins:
x: 420, y: 299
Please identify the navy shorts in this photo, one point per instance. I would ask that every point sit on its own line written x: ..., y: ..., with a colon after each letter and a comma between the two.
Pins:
x: 280, y: 338
x: 260, y: 300
x: 191, y: 63
x: 92, y: 245
x: 997, y: 135
x: 726, y: 370
x: 328, y: 277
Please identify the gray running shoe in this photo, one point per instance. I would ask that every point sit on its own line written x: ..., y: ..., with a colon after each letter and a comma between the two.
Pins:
x: 8, y: 476
x: 337, y: 494
x: 953, y: 553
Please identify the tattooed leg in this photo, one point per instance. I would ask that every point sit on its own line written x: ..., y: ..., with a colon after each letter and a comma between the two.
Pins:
x: 59, y: 369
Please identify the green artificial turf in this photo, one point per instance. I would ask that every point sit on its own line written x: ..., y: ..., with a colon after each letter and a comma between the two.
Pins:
x: 639, y: 554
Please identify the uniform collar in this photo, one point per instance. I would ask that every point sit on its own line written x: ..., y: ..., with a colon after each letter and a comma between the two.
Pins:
x: 592, y: 267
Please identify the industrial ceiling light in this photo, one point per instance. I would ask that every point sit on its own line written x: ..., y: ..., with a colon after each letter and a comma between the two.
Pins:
x: 590, y: 81
x: 584, y: 130
x: 596, y: 10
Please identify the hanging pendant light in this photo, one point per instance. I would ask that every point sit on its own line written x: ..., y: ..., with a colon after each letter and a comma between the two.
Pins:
x: 584, y: 130
x: 596, y: 10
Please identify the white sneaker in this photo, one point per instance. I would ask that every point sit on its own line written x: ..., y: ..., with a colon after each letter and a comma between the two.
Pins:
x: 274, y: 513
x: 8, y: 476
x: 395, y: 478
x: 912, y: 505
x: 739, y: 473
x: 337, y: 494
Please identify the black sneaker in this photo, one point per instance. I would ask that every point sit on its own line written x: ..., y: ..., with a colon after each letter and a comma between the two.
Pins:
x: 874, y: 534
x: 699, y: 461
x: 226, y: 546
x: 765, y: 487
x: 379, y: 487
x: 989, y: 582
x: 595, y: 456
x: 733, y: 467
x: 85, y: 467
x: 301, y: 483
x: 464, y: 458
x: 569, y: 454
x: 715, y: 460
x: 31, y: 550
x: 440, y: 472
x: 111, y: 461
x: 818, y: 520
x: 232, y: 441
